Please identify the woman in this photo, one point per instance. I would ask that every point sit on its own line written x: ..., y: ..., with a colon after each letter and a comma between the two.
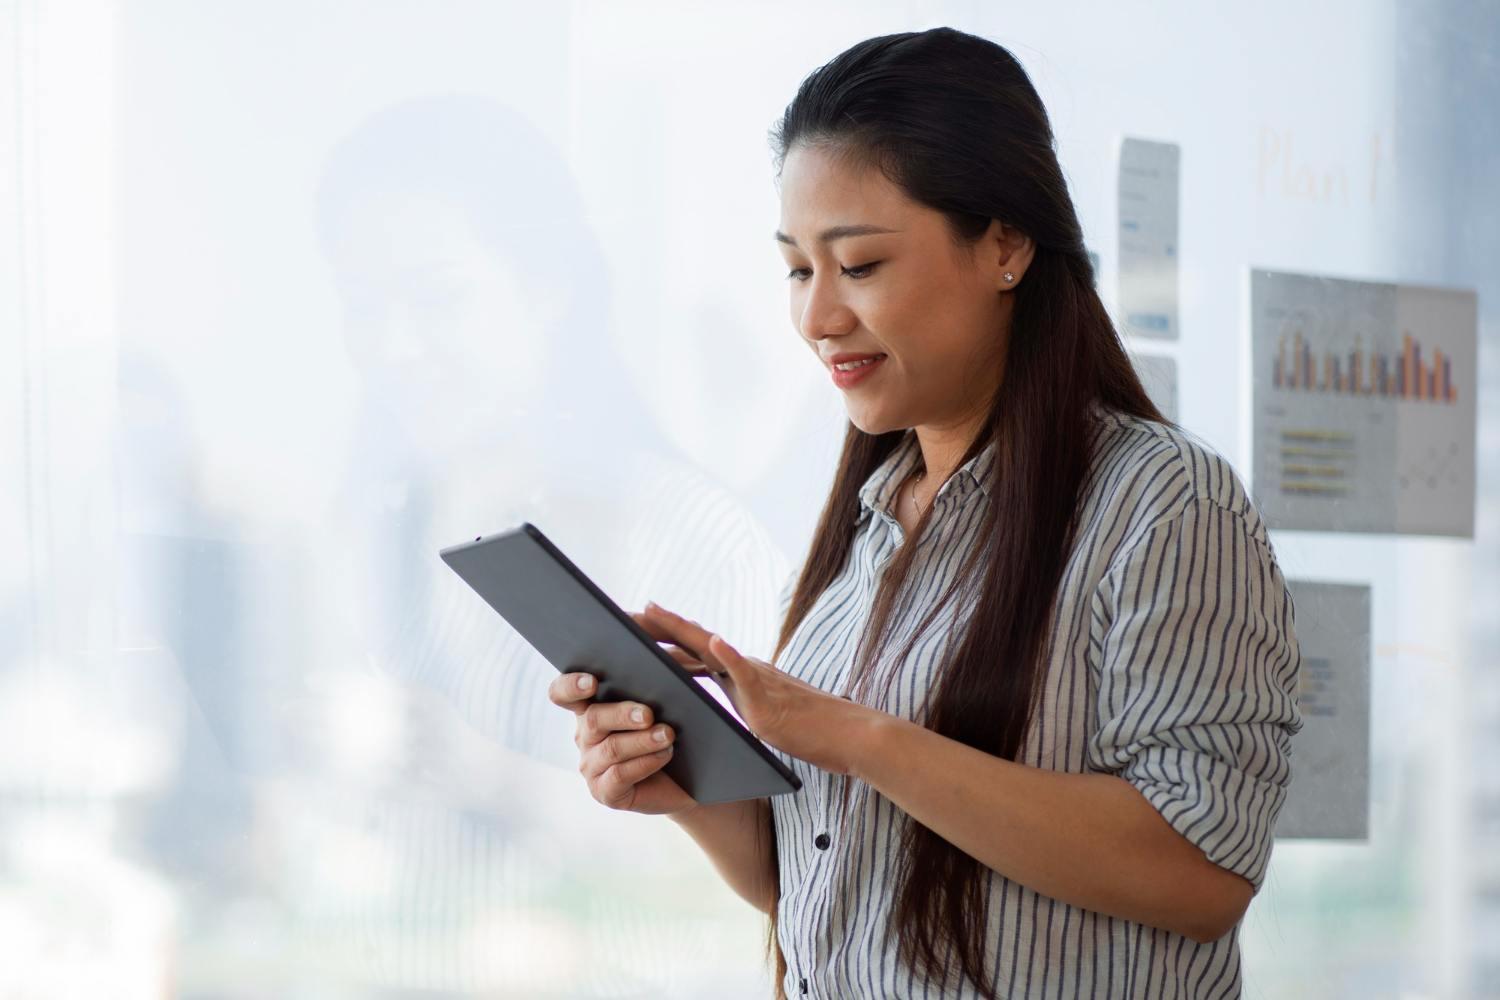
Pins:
x: 1038, y: 671
x: 475, y: 309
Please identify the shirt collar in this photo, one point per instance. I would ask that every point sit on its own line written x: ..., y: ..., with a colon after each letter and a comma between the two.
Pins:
x: 878, y: 495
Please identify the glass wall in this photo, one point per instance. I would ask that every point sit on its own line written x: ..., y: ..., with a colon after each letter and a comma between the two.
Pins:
x: 294, y: 294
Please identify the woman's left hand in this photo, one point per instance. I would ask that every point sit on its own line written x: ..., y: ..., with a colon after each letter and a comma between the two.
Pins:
x: 794, y: 717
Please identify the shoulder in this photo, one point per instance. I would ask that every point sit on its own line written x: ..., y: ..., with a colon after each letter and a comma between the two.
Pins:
x: 685, y: 505
x: 1151, y: 473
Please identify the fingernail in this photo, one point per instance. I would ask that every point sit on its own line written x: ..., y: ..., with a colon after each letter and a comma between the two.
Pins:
x: 659, y: 734
x: 585, y: 682
x: 664, y: 753
x: 637, y: 714
x: 652, y: 606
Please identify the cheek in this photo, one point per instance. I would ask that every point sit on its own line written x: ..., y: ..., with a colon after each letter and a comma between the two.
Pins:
x: 949, y: 318
x: 935, y: 338
x: 904, y: 319
x: 499, y: 329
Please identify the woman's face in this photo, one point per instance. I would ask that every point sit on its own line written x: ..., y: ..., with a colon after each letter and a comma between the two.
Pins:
x: 438, y: 321
x: 909, y: 324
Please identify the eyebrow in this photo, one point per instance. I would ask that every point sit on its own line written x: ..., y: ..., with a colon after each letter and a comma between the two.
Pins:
x: 836, y: 233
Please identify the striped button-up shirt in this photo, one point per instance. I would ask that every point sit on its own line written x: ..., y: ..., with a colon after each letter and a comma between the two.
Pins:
x: 1173, y: 665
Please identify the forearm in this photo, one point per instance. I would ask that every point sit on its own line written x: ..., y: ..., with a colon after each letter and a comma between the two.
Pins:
x: 1087, y: 839
x: 738, y: 838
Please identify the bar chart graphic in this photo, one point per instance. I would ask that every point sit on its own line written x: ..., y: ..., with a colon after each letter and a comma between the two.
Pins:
x: 1363, y: 401
x: 1407, y: 375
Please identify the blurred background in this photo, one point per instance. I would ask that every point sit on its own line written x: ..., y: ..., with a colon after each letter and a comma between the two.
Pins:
x: 294, y: 294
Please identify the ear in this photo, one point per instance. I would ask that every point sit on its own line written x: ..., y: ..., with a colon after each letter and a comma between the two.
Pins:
x: 1007, y: 252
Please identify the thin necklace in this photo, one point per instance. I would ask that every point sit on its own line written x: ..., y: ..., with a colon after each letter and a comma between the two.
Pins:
x: 915, y: 479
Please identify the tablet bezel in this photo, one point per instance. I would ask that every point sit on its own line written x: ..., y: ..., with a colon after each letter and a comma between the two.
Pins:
x: 534, y: 535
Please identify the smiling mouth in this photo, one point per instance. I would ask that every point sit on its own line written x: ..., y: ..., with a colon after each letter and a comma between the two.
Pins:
x: 849, y: 366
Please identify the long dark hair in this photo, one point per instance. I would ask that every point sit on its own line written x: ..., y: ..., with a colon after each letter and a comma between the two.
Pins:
x: 954, y: 121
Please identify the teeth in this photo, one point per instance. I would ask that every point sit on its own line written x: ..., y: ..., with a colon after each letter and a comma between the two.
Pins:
x: 850, y: 366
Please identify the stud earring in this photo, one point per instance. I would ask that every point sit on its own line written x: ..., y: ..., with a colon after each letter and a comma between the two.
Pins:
x: 1009, y: 277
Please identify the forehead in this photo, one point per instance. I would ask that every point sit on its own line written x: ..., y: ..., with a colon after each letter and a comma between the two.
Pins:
x: 821, y: 188
x: 404, y: 230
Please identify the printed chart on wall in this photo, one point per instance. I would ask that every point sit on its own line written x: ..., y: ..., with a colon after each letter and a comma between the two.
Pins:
x: 1148, y: 195
x: 1364, y: 397
x: 1330, y: 792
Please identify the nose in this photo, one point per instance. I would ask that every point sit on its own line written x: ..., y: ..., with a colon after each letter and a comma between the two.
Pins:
x: 386, y: 337
x: 821, y: 311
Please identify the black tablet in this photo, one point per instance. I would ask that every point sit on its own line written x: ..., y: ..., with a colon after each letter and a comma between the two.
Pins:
x: 572, y: 623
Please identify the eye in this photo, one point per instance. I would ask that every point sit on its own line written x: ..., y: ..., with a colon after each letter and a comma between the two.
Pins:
x: 799, y: 274
x: 859, y: 270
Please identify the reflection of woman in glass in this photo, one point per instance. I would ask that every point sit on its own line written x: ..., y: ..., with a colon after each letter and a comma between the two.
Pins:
x: 1038, y: 675
x: 475, y: 309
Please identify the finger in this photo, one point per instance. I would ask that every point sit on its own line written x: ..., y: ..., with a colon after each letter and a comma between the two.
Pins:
x: 675, y: 628
x: 649, y: 625
x: 720, y: 657
x: 618, y: 748
x: 616, y: 786
x: 684, y: 657
x: 598, y: 721
x: 729, y: 667
x: 573, y: 691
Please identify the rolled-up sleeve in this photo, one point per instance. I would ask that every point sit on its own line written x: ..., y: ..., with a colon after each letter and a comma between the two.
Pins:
x: 1197, y: 672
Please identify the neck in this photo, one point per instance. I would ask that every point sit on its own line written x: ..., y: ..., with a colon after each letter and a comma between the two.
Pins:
x: 944, y: 446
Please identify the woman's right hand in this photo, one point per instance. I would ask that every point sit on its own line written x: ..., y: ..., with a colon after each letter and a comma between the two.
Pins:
x: 621, y: 750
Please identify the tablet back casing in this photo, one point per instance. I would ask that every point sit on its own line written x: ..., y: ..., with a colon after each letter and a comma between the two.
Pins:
x: 572, y: 623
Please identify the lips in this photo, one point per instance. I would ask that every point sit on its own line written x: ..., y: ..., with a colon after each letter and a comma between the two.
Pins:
x: 849, y: 370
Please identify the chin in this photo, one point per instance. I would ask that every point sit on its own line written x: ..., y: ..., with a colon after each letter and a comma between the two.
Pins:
x: 872, y: 421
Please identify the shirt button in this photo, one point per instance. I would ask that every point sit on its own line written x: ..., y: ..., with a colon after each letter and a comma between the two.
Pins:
x: 802, y: 984
x: 821, y: 841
